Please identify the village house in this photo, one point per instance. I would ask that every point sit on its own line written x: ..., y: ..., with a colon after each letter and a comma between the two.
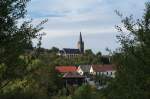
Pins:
x: 65, y: 69
x: 107, y: 70
x: 84, y: 69
x: 73, y: 78
x: 70, y: 75
x: 97, y: 75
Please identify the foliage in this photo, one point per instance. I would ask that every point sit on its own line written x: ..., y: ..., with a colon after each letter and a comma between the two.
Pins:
x: 51, y: 57
x: 133, y: 60
x: 17, y: 68
x: 85, y: 92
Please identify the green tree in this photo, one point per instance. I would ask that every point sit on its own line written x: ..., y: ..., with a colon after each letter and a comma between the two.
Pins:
x: 83, y: 92
x: 54, y: 50
x: 99, y: 54
x: 14, y: 40
x: 88, y: 52
x: 86, y: 92
x: 133, y: 60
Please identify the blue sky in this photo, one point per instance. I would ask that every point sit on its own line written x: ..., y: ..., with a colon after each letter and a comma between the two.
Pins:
x: 94, y: 18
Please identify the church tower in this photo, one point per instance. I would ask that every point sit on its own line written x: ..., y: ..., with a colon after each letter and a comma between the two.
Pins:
x: 81, y: 44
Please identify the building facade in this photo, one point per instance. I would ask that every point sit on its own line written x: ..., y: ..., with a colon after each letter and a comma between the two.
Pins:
x: 84, y: 69
x: 106, y: 70
x: 72, y: 52
x: 80, y: 44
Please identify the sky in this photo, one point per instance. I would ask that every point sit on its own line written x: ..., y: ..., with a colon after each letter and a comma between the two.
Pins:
x: 96, y: 19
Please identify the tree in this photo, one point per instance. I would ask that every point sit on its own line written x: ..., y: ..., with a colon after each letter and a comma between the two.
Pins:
x: 106, y: 59
x: 54, y: 50
x: 133, y: 60
x: 88, y: 52
x: 14, y: 40
x: 83, y: 92
x: 99, y: 54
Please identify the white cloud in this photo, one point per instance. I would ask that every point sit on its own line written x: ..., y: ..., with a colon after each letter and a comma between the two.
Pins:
x: 77, y: 15
x: 83, y: 15
x: 69, y: 17
x: 60, y: 33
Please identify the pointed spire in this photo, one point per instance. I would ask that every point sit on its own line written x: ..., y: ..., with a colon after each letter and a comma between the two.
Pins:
x: 80, y: 40
x: 81, y: 44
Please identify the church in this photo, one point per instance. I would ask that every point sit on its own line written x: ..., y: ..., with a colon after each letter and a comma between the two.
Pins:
x: 72, y: 52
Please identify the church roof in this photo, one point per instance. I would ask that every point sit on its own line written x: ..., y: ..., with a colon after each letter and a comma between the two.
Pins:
x: 71, y: 51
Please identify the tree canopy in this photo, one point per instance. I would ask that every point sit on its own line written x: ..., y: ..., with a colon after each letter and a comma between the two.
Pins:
x: 15, y: 38
x: 132, y: 59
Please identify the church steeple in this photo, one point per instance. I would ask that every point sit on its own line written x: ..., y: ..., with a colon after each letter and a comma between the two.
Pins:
x: 81, y: 44
x: 80, y: 39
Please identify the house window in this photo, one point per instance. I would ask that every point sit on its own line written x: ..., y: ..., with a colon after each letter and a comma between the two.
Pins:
x: 111, y: 73
x: 107, y: 73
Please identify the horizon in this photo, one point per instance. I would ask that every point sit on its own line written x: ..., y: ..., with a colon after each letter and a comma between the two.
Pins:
x: 96, y: 20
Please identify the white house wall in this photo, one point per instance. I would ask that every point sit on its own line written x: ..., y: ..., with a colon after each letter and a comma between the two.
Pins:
x: 92, y: 71
x: 79, y: 70
x: 108, y: 73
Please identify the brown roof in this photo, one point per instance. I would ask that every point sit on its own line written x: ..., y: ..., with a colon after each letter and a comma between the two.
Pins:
x: 72, y: 75
x: 103, y: 68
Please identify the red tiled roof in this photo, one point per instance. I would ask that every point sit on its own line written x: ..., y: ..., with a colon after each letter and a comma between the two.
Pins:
x: 103, y: 68
x: 65, y: 69
x: 72, y: 75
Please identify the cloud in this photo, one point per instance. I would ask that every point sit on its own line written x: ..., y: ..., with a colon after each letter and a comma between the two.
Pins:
x: 81, y: 14
x: 68, y: 17
x: 73, y: 15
